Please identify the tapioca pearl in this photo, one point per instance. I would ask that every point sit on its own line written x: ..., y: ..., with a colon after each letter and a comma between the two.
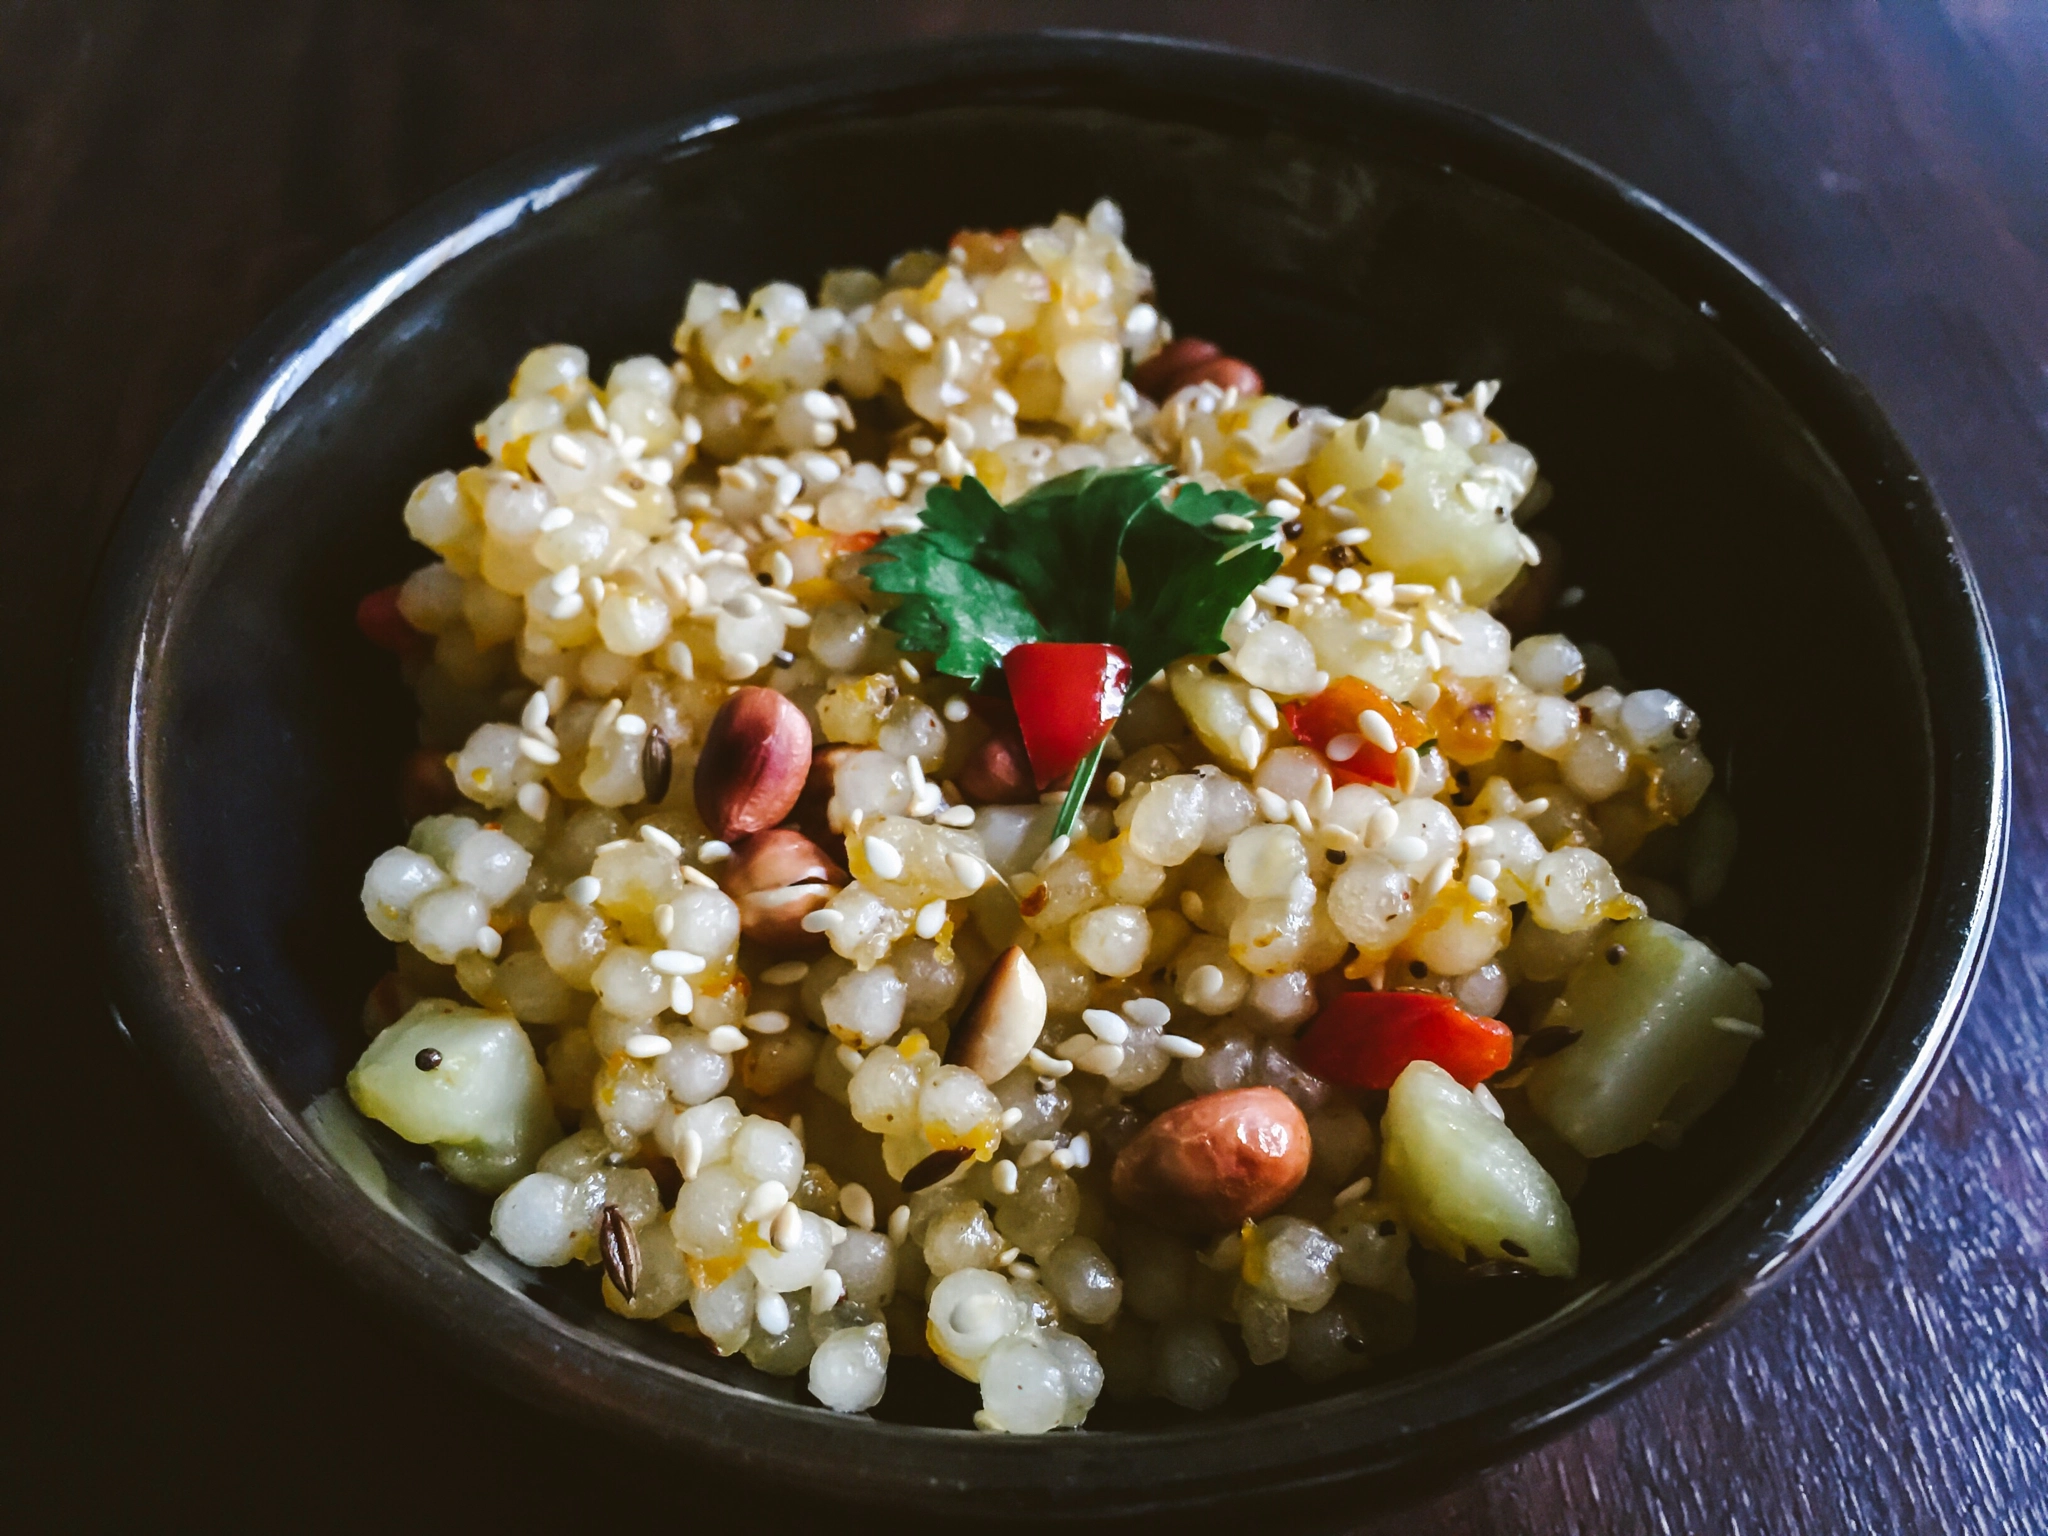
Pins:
x: 535, y: 1220
x: 956, y: 1103
x: 1483, y: 646
x: 1279, y: 659
x: 707, y: 923
x: 961, y: 1237
x: 882, y: 1094
x: 850, y: 1370
x: 493, y: 864
x: 1296, y: 1262
x: 764, y: 1149
x: 1569, y: 888
x: 397, y: 879
x: 970, y: 1311
x: 866, y: 1265
x: 1227, y: 809
x: 1023, y: 1390
x: 1283, y: 1001
x: 629, y: 984
x: 1192, y: 1365
x: 931, y: 984
x: 706, y: 1219
x: 1168, y: 822
x: 1114, y: 940
x: 1266, y: 860
x: 1290, y: 773
x: 1372, y: 903
x: 549, y: 368
x: 445, y: 923
x: 1595, y: 766
x: 866, y: 1007
x: 1084, y: 1281
x: 725, y: 1312
x: 792, y: 1269
x: 1550, y: 664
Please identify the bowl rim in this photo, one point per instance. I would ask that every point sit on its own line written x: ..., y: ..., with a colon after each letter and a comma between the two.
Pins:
x: 1473, y: 1408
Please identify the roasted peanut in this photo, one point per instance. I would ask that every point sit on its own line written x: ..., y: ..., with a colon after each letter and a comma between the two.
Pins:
x: 1214, y: 1162
x: 778, y: 877
x: 996, y: 1031
x: 756, y: 757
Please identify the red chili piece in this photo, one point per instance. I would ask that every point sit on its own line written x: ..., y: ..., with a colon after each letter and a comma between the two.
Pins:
x: 1067, y: 697
x: 1366, y: 1039
x: 1333, y: 714
x: 377, y: 616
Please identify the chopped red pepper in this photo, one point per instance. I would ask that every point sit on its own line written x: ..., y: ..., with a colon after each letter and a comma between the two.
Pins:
x: 377, y: 616
x: 1366, y: 1039
x: 1330, y: 721
x: 1067, y: 697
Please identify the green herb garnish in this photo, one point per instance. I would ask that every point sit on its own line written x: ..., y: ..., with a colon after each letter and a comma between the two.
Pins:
x: 980, y: 577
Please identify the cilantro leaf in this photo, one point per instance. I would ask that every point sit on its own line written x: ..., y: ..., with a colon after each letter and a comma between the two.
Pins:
x: 952, y: 607
x: 980, y: 577
x: 1185, y: 578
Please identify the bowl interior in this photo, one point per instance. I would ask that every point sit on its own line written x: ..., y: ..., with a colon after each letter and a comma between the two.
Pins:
x: 1721, y: 553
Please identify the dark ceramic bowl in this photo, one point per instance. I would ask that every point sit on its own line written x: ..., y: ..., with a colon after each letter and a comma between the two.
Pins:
x: 1748, y: 530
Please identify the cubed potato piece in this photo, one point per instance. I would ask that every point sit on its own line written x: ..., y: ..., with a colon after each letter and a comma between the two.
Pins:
x: 1649, y: 1050
x: 1434, y: 509
x: 1463, y: 1182
x: 481, y: 1101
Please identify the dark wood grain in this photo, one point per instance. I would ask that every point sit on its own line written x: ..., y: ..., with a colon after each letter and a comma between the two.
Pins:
x: 168, y: 172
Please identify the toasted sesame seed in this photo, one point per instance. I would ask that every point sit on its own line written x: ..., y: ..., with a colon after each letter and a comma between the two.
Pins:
x: 676, y: 962
x: 1181, y: 1047
x: 1740, y: 1027
x: 654, y: 837
x: 642, y: 1047
x: 1375, y: 728
x: 931, y: 917
x: 1350, y: 537
x: 857, y: 1206
x: 1342, y: 748
x: 1353, y: 1192
x: 882, y: 858
x: 584, y: 891
x: 1439, y: 877
x: 1753, y: 976
x: 1105, y: 1025
x: 690, y: 1156
x: 1527, y: 545
x: 769, y: 1021
x: 569, y: 451
x: 1054, y: 852
x: 695, y: 876
x: 849, y: 1058
x: 1249, y: 744
x: 1483, y: 890
x: 1048, y: 1066
x: 772, y: 1313
x: 534, y: 750
x: 899, y: 1224
x: 956, y: 709
x: 726, y: 1039
x: 1406, y: 848
x: 1003, y: 1176
x: 787, y: 973
x: 1260, y: 703
x: 681, y: 1000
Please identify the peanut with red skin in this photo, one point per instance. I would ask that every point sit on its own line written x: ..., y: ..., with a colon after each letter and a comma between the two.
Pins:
x: 756, y: 758
x: 1212, y: 1163
x: 764, y: 866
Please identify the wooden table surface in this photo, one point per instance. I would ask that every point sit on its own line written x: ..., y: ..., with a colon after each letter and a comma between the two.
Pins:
x: 169, y: 172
